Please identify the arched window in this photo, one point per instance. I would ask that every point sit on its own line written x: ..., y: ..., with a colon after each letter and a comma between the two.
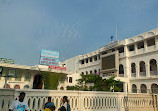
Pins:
x: 95, y: 72
x: 121, y: 69
x: 82, y: 73
x: 134, y: 88
x: 133, y: 70
x: 7, y: 86
x: 86, y: 72
x: 154, y: 88
x: 142, y: 68
x: 153, y: 67
x: 90, y: 72
x: 16, y: 87
x: 143, y: 88
x: 26, y: 87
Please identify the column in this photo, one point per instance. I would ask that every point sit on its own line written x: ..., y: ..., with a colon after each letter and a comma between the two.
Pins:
x: 147, y: 70
x: 156, y: 42
x: 145, y: 45
x: 125, y: 87
x: 135, y: 48
x: 22, y: 77
x: 137, y: 71
x: 125, y: 51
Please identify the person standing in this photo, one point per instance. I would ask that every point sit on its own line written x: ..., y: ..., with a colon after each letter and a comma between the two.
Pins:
x: 19, y: 104
x: 49, y: 103
x: 65, y: 105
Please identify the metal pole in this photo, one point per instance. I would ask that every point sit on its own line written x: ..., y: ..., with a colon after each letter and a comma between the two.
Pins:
x: 5, y: 82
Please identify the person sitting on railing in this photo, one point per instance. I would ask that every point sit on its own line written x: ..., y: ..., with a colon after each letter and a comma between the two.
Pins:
x: 49, y: 103
x: 19, y: 105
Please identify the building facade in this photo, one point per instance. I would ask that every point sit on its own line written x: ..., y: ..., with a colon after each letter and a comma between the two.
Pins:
x: 23, y: 77
x: 133, y: 61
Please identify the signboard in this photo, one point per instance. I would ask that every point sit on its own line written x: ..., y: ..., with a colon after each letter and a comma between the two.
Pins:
x: 49, y: 57
x: 57, y: 67
x: 10, y: 61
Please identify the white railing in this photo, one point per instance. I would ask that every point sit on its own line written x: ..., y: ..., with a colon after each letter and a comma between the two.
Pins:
x: 82, y: 100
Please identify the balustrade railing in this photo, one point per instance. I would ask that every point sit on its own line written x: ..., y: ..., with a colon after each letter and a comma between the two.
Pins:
x: 142, y: 74
x: 133, y: 75
x: 153, y: 73
x: 82, y: 100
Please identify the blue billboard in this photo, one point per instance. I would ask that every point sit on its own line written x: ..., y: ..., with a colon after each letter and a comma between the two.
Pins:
x: 49, y: 57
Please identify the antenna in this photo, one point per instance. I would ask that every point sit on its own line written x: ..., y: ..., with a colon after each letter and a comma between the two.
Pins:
x: 116, y: 32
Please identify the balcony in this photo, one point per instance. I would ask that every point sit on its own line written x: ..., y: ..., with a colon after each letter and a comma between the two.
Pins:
x: 151, y: 48
x: 110, y: 74
x: 121, y: 54
x: 142, y: 74
x: 140, y: 51
x: 131, y: 53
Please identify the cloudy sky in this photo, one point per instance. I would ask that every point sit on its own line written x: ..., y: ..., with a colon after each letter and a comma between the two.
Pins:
x: 72, y: 27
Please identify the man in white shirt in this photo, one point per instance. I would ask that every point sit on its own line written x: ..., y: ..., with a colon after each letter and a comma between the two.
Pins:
x: 19, y: 105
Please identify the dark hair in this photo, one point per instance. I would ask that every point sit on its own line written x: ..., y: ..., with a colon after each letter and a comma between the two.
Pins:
x: 49, y: 97
x: 65, y: 97
x: 22, y: 93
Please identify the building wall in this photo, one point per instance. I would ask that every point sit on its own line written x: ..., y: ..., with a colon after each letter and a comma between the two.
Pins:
x: 21, y: 78
x: 127, y: 57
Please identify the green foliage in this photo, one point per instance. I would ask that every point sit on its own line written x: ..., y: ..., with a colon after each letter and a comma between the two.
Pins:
x: 51, y: 79
x: 99, y: 84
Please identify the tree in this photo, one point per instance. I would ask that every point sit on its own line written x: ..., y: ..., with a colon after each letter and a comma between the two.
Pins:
x: 95, y: 83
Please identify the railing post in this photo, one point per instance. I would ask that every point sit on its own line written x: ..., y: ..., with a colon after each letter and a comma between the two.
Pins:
x: 119, y: 102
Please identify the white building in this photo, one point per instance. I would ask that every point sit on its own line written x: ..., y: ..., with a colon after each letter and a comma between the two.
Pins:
x: 24, y: 76
x: 133, y: 61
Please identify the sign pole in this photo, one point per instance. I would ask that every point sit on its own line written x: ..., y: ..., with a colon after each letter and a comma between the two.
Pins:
x: 5, y: 82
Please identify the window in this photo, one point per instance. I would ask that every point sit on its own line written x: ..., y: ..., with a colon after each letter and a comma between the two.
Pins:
x: 70, y: 79
x: 18, y: 77
x: 95, y: 58
x: 113, y: 50
x: 91, y: 59
x: 27, y: 77
x: 121, y: 69
x: 82, y: 73
x: 131, y: 48
x: 104, y: 52
x: 90, y: 72
x: 86, y: 60
x: 26, y: 87
x: 133, y: 68
x: 140, y: 45
x: 95, y: 71
x: 121, y: 49
x: 99, y: 57
x: 86, y: 72
x: 11, y: 72
x: 82, y: 61
x: 151, y: 42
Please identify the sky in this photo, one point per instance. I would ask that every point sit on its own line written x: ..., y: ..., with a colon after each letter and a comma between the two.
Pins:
x: 72, y: 27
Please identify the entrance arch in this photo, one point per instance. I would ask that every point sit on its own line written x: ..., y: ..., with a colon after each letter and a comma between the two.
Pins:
x: 38, y: 82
